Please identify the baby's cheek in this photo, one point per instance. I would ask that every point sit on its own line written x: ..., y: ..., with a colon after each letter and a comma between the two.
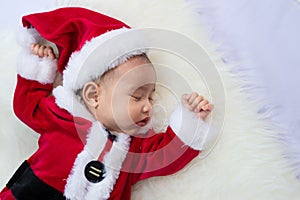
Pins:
x: 124, y: 110
x: 134, y: 110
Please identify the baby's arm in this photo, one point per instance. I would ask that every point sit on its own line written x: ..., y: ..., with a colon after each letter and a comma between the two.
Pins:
x: 36, y: 73
x: 47, y: 52
x: 166, y: 153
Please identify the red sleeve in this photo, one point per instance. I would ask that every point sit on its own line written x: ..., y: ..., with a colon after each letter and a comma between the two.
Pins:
x: 161, y: 154
x: 30, y: 103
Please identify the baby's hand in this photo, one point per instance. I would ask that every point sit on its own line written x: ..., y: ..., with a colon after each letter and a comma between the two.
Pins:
x: 197, y: 104
x: 42, y: 51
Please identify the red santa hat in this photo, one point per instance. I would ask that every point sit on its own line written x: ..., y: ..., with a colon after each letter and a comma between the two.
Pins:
x: 89, y: 43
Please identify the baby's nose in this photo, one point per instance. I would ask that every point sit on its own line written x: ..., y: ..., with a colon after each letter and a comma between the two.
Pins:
x: 147, y: 107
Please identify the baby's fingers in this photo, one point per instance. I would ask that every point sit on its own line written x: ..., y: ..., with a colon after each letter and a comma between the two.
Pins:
x: 192, y: 98
x: 37, y: 50
x: 185, y: 99
x: 42, y: 51
x: 48, y: 51
x: 208, y: 107
x: 205, y: 111
x: 198, y: 103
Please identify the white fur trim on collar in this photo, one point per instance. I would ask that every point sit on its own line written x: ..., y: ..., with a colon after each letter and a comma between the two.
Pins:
x: 78, y: 187
x: 101, y: 54
x: 113, y: 161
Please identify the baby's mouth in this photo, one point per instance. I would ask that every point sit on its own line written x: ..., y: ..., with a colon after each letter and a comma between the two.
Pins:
x: 143, y: 122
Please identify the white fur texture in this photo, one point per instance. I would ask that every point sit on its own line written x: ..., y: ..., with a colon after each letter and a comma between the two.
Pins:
x: 31, y: 66
x: 77, y: 189
x: 67, y: 100
x: 77, y: 185
x: 113, y: 161
x: 189, y: 128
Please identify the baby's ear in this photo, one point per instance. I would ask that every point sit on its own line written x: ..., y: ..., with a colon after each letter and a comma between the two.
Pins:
x: 90, y: 94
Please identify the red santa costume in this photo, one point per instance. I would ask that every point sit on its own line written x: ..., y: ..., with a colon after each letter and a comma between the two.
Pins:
x: 77, y: 157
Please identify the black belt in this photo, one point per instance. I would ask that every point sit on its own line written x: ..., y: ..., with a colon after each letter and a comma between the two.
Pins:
x: 25, y: 185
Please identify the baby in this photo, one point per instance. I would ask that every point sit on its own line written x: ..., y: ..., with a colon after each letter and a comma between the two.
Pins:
x: 131, y: 94
x: 95, y: 137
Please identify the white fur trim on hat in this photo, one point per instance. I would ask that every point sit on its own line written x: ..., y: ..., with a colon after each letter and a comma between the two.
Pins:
x: 100, y: 54
x: 192, y: 130
x: 67, y: 100
x: 31, y: 66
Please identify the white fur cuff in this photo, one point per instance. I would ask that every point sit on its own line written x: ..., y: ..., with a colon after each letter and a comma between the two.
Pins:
x: 189, y: 128
x: 30, y: 66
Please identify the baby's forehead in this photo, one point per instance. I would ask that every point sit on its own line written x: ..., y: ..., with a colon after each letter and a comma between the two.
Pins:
x: 136, y: 66
x: 137, y: 78
x: 138, y: 85
x: 133, y: 73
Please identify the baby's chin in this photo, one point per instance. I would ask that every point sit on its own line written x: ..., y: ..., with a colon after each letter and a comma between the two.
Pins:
x: 138, y: 130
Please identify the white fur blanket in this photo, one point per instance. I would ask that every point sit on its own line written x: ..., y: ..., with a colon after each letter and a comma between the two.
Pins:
x: 247, y: 161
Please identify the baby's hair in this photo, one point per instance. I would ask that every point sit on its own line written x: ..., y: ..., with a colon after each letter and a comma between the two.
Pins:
x: 107, y: 75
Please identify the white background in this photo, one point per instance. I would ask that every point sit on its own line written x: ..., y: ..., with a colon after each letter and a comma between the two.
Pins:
x: 12, y: 10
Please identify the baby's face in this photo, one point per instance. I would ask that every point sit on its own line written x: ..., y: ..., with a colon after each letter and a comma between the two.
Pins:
x: 126, y: 97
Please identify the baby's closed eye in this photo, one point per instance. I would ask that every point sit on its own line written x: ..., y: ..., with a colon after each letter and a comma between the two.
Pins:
x: 136, y: 97
x: 139, y: 97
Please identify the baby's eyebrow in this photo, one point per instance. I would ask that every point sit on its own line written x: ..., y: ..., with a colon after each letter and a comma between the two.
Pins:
x: 143, y: 88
